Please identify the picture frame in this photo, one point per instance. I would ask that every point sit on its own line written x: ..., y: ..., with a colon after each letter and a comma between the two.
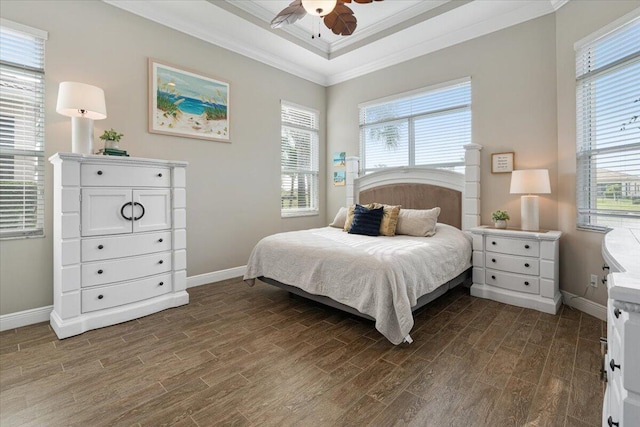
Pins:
x: 339, y: 159
x: 188, y: 103
x: 502, y: 162
x: 339, y: 178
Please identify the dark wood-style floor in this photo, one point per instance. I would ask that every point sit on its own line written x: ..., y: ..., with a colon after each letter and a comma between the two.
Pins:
x: 254, y: 356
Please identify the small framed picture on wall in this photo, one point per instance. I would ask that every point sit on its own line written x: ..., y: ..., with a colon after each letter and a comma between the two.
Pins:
x: 502, y: 162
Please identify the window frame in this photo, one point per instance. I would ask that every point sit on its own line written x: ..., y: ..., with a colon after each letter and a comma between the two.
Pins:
x: 314, y: 155
x: 31, y: 152
x: 411, y: 119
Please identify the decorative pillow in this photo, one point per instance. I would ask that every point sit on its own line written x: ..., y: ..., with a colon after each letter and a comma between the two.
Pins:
x: 340, y: 219
x: 347, y: 223
x: 389, y: 219
x: 418, y: 222
x: 366, y: 221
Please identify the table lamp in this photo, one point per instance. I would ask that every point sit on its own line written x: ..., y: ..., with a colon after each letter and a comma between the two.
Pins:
x: 530, y: 182
x: 84, y: 104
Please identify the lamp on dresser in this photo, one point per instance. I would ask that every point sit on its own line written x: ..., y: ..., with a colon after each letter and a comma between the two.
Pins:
x: 530, y: 182
x: 84, y: 104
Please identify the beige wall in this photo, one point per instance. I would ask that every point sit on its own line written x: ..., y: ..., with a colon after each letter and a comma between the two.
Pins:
x: 233, y: 189
x: 513, y: 76
x: 580, y: 251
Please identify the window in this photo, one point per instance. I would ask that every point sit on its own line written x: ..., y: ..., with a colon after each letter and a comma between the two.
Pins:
x: 425, y: 127
x: 608, y: 128
x: 299, y: 161
x: 21, y: 130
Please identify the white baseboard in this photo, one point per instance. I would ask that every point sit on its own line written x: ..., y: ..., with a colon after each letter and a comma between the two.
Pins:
x: 41, y: 314
x: 215, y: 276
x: 25, y: 318
x: 586, y: 306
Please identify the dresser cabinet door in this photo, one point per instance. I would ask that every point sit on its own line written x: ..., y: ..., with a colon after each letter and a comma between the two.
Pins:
x: 105, y: 211
x: 152, y: 209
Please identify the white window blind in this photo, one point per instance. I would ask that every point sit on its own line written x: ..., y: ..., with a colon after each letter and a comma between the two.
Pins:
x: 608, y: 129
x: 299, y: 160
x: 425, y: 127
x: 21, y: 130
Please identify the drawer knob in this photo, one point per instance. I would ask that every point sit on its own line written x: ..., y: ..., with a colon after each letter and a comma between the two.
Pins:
x: 100, y: 296
x: 159, y: 175
x: 526, y: 246
x: 605, y: 267
x: 493, y: 277
x: 604, y: 280
x: 100, y: 271
x: 161, y: 283
x: 616, y: 312
x: 160, y: 240
x: 493, y: 243
x: 613, y: 365
x: 100, y: 247
x: 526, y: 264
x: 611, y: 423
x: 493, y: 260
x: 161, y: 262
x: 526, y: 283
x: 99, y: 172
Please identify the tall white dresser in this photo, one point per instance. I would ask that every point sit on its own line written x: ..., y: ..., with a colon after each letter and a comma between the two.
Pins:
x: 517, y: 267
x: 120, y: 247
x: 621, y: 252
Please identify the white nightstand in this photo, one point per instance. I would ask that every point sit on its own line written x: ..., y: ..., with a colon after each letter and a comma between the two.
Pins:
x: 517, y: 267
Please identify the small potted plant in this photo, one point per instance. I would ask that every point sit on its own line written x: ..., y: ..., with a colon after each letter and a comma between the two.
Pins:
x: 111, y: 138
x: 500, y: 218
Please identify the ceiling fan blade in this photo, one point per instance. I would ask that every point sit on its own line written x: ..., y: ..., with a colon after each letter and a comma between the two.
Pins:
x: 289, y: 14
x: 341, y: 20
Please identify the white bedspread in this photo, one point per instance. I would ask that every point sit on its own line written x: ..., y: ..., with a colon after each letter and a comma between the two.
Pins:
x: 379, y: 276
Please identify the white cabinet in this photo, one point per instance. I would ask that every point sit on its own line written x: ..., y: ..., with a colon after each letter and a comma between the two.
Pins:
x: 119, y: 240
x: 621, y: 252
x: 517, y: 267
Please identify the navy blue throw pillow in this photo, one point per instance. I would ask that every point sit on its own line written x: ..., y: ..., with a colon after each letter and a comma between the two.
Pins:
x: 366, y: 221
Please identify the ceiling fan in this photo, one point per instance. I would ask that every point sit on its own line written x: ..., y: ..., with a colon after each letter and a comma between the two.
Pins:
x: 337, y: 16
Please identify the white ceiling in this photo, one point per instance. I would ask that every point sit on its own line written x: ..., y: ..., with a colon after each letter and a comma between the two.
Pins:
x: 388, y: 32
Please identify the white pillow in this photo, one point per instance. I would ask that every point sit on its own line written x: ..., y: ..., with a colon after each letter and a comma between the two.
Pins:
x: 418, y: 222
x: 340, y: 219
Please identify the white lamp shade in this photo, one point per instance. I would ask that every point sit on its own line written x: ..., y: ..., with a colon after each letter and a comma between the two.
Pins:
x: 319, y: 7
x: 530, y: 181
x: 81, y: 100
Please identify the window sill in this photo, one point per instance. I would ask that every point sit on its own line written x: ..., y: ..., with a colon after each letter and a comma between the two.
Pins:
x: 298, y: 214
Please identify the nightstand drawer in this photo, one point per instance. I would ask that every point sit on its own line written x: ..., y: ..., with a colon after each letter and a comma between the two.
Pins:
x: 513, y: 282
x: 505, y: 245
x: 513, y: 264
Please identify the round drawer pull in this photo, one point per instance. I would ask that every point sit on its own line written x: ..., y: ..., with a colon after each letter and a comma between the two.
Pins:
x: 100, y: 271
x: 159, y: 175
x: 100, y: 247
x: 99, y: 172
x: 161, y: 283
x: 161, y: 262
x: 526, y: 246
x: 493, y: 243
x: 100, y: 296
x: 613, y: 365
x: 616, y: 312
x: 493, y: 260
x: 161, y: 240
x: 611, y: 423
x: 526, y: 264
x: 493, y: 277
x: 526, y: 283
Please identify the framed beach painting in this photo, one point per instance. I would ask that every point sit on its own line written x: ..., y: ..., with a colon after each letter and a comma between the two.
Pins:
x: 187, y: 103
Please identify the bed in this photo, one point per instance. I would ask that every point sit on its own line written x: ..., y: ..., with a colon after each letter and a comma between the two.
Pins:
x: 381, y: 278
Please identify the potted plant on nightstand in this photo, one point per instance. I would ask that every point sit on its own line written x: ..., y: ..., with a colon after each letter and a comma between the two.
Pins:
x: 111, y: 138
x: 500, y: 218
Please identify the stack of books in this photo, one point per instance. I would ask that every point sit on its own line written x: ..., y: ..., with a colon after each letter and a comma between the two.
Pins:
x: 113, y: 152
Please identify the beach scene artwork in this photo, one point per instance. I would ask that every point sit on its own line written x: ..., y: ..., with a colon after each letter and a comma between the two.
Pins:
x: 339, y: 159
x: 186, y: 103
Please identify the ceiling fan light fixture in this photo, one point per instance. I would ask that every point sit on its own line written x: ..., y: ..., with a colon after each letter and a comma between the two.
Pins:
x: 319, y: 7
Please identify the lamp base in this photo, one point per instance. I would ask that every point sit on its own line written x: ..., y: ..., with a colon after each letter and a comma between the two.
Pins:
x: 81, y: 135
x: 529, y: 213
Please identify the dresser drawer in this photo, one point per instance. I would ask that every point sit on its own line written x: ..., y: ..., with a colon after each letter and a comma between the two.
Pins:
x: 513, y: 264
x: 513, y: 282
x: 92, y: 175
x: 505, y: 245
x: 103, y: 272
x: 125, y: 293
x: 101, y: 248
